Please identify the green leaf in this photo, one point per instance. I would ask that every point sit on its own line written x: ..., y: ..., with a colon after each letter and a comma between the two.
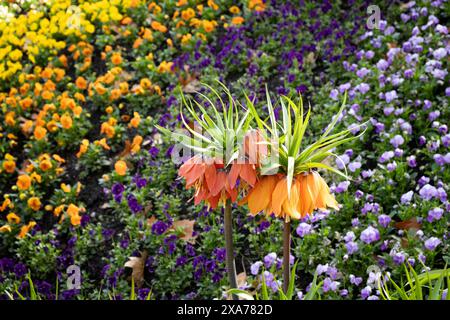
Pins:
x: 431, y: 275
x: 333, y: 123
x: 290, y: 291
x: 33, y: 293
x: 209, y: 121
x: 314, y: 288
x: 9, y: 294
x: 213, y: 105
x: 327, y: 144
x: 218, y: 118
x: 244, y: 295
x: 411, y: 284
x: 264, y: 292
x: 271, y: 115
x: 448, y: 284
x: 383, y: 289
x: 418, y: 287
x: 436, y: 290
x: 400, y: 291
x: 319, y: 157
x: 262, y: 125
x: 265, y: 170
x: 133, y: 293
x: 19, y: 294
x: 315, y: 165
x: 57, y: 288
x: 281, y: 295
x: 286, y: 123
x: 195, y: 133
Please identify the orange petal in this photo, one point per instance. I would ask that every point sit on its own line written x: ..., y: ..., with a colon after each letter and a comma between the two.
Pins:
x: 313, y: 185
x: 213, y: 201
x: 234, y: 174
x: 219, y: 184
x: 233, y: 194
x: 210, y: 175
x: 312, y: 188
x: 290, y: 204
x: 278, y: 196
x: 248, y: 173
x: 197, y: 171
x: 201, y: 195
x: 305, y: 201
x: 259, y: 197
x: 325, y: 198
x: 185, y: 168
x: 228, y: 188
x: 332, y: 203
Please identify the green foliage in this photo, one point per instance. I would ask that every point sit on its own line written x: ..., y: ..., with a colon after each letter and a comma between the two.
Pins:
x: 222, y: 133
x: 286, y: 139
x: 430, y: 285
x: 264, y: 292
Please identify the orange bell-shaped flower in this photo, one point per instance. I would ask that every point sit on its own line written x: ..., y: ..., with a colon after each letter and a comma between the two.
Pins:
x: 308, y: 192
x: 214, y: 183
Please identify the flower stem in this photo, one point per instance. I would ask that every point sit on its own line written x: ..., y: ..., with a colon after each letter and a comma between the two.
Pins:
x: 286, y: 255
x: 228, y: 230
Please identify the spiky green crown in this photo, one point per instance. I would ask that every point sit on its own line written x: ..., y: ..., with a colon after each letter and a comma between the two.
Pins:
x: 221, y: 132
x: 287, y: 136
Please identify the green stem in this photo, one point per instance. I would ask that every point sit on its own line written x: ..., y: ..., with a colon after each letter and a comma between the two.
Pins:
x: 286, y: 255
x: 228, y: 230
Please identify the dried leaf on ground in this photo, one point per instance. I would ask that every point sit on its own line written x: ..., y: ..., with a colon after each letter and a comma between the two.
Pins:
x: 137, y: 264
x: 408, y: 224
x: 192, y: 86
x: 151, y: 221
x: 187, y: 230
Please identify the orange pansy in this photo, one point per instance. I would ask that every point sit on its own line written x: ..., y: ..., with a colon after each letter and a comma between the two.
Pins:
x: 120, y: 167
x: 9, y: 166
x: 66, y: 121
x: 34, y: 203
x: 5, y: 228
x: 23, y: 182
x: 237, y: 20
x: 116, y: 58
x: 45, y: 165
x: 135, y: 120
x: 40, y: 132
x: 25, y: 229
x: 81, y: 83
x: 13, y: 218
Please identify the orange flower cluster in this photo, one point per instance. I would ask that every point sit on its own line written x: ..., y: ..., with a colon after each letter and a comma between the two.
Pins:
x: 158, y: 27
x: 72, y: 211
x: 257, y: 5
x: 308, y: 192
x: 212, y: 183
